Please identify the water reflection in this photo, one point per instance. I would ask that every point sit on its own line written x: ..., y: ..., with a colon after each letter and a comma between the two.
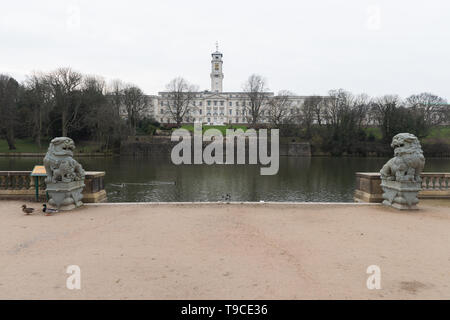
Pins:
x: 157, y: 179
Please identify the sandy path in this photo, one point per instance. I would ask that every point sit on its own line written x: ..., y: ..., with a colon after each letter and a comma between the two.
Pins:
x: 226, y: 252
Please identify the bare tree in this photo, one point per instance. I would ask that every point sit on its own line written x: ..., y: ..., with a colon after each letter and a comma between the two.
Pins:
x: 310, y: 112
x: 180, y: 99
x: 431, y: 107
x: 360, y: 105
x: 339, y: 102
x: 39, y: 98
x: 9, y: 89
x: 385, y: 109
x: 115, y: 93
x: 97, y: 117
x: 278, y: 108
x: 65, y: 84
x: 135, y: 103
x: 256, y: 91
x: 319, y: 111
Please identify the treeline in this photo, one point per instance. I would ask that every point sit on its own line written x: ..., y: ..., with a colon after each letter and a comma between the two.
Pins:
x: 338, y: 123
x: 85, y: 107
x: 67, y: 103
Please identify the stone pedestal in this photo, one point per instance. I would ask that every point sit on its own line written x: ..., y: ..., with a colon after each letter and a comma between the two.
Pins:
x: 401, y: 195
x: 65, y: 195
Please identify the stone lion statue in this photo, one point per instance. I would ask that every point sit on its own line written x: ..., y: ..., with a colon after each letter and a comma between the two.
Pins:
x: 408, y: 161
x: 59, y: 164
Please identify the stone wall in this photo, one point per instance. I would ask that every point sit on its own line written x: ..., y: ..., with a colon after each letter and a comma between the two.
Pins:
x: 163, y: 146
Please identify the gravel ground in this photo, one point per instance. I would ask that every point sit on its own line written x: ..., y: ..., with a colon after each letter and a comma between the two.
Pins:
x: 226, y: 251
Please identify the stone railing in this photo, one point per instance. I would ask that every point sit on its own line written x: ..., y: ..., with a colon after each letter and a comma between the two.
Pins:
x: 435, y: 185
x: 20, y: 185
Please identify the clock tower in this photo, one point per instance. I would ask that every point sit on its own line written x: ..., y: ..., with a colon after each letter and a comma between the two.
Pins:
x: 216, y: 70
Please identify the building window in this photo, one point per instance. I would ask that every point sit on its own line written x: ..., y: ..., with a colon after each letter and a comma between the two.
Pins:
x: 200, y: 111
x: 215, y: 102
x: 231, y: 112
x: 162, y: 110
x: 230, y: 104
x: 200, y: 103
x: 221, y: 103
x: 237, y: 103
x: 209, y: 102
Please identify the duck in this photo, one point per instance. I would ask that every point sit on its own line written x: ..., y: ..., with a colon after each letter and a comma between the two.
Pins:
x: 48, y: 211
x: 26, y: 210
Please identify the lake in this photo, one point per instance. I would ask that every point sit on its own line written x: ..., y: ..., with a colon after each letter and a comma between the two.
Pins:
x: 299, y: 178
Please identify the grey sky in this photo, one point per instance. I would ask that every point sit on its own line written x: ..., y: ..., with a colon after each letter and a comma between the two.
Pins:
x: 307, y: 47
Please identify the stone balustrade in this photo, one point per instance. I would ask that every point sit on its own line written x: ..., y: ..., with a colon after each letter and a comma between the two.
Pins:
x: 435, y: 185
x: 20, y: 185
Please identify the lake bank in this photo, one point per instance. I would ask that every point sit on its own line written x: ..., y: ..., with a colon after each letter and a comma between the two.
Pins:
x: 437, y: 145
x: 226, y: 251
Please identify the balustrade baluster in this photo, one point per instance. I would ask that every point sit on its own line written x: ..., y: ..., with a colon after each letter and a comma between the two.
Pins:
x: 20, y: 182
x: 10, y: 182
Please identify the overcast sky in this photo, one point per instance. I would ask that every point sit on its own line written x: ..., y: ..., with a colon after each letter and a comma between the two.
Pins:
x: 307, y: 47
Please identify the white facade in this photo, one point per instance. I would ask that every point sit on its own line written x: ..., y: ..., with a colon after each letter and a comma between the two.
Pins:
x: 215, y: 106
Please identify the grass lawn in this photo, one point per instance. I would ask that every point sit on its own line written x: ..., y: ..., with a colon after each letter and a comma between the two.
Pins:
x: 439, y: 132
x: 375, y: 131
x: 222, y: 129
x: 436, y: 133
x: 22, y: 145
x: 29, y: 146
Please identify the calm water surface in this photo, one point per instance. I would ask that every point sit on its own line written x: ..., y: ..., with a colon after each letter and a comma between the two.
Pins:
x: 157, y: 179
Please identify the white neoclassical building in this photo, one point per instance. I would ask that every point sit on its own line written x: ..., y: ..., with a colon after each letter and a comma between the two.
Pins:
x: 216, y: 106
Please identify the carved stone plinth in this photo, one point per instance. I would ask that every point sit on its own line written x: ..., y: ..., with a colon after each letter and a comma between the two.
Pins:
x: 401, y: 195
x: 65, y: 195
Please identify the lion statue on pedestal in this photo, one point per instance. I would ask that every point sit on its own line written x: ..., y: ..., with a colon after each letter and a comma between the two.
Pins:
x: 65, y: 176
x: 59, y: 164
x: 408, y: 161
